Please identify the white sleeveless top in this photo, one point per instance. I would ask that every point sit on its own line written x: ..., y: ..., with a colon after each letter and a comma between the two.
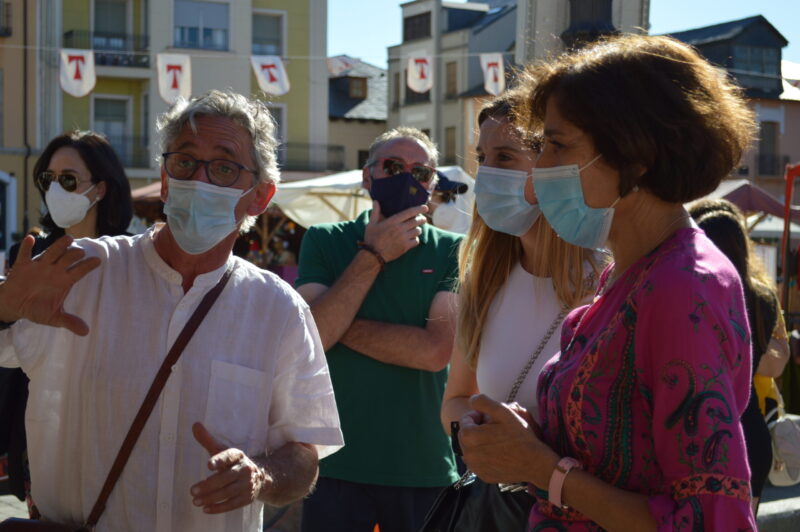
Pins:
x: 519, y: 317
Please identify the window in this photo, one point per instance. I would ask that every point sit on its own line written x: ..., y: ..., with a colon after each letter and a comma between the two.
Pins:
x: 415, y: 97
x: 756, y: 59
x: 363, y: 155
x: 449, y: 145
x: 768, y: 160
x: 268, y: 34
x: 2, y: 106
x: 417, y: 27
x: 111, y: 119
x: 201, y: 25
x: 5, y: 19
x: 110, y: 25
x: 277, y: 115
x: 357, y: 88
x: 396, y: 95
x: 452, y: 81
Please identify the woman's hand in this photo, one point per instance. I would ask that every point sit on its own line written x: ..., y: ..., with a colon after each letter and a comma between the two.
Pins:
x: 500, y: 444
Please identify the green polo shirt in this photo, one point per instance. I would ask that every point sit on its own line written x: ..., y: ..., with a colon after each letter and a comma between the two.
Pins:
x: 389, y: 413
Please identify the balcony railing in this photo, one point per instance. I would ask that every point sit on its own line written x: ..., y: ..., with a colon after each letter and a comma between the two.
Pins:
x: 315, y: 157
x: 131, y: 150
x: 112, y: 49
x: 771, y: 164
x: 5, y: 19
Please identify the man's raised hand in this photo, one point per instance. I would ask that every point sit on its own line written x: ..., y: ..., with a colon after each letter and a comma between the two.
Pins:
x: 36, y: 288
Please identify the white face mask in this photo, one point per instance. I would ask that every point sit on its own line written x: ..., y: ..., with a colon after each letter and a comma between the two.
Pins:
x: 67, y: 208
x: 446, y: 216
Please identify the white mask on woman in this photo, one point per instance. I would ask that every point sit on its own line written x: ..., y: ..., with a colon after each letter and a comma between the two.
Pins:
x: 67, y: 208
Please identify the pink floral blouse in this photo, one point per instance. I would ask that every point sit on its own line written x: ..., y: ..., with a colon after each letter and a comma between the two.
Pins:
x: 649, y: 387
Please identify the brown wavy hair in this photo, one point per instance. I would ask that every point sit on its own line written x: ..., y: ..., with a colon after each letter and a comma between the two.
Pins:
x: 649, y: 103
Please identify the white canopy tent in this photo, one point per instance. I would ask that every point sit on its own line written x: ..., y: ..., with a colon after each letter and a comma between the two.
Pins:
x: 339, y: 197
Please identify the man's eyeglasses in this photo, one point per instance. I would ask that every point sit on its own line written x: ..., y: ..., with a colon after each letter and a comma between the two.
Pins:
x: 421, y: 172
x: 220, y: 172
x: 68, y: 182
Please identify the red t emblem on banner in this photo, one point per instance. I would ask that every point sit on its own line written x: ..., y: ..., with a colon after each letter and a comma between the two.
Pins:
x: 77, y: 59
x: 495, y: 66
x: 421, y: 62
x: 174, y: 69
x: 269, y: 68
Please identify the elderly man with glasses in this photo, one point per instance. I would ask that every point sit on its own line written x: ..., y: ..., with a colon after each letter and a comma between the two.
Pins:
x: 247, y: 410
x: 380, y: 288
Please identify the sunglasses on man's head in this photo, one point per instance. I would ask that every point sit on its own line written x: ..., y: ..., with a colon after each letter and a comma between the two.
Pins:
x: 68, y: 182
x: 421, y: 172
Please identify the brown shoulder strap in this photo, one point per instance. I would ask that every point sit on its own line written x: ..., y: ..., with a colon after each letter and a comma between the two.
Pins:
x: 152, y: 395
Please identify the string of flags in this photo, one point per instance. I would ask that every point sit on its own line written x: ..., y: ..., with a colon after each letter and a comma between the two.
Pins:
x: 78, y: 77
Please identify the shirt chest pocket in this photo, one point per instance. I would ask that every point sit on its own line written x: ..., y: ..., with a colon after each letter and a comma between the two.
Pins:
x: 236, y: 412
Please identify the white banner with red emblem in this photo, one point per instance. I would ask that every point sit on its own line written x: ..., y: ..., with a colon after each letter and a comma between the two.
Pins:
x: 271, y: 75
x: 420, y: 73
x: 494, y: 79
x: 174, y: 76
x: 340, y: 64
x: 77, y: 72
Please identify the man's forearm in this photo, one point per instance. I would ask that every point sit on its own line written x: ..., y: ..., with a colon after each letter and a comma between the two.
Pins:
x: 402, y: 345
x: 335, y: 310
x: 293, y: 469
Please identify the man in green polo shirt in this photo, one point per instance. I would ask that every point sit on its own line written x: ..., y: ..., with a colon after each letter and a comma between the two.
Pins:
x: 380, y: 288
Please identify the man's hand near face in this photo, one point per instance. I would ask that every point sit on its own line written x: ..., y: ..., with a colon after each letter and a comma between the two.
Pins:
x: 393, y: 236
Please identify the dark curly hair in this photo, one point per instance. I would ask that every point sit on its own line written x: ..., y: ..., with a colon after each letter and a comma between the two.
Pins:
x: 115, y: 210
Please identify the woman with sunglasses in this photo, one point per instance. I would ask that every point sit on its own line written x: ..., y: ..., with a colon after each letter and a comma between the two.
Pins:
x: 639, y: 413
x: 87, y: 195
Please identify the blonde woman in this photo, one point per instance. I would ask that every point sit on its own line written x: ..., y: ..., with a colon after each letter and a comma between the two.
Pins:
x: 517, y: 278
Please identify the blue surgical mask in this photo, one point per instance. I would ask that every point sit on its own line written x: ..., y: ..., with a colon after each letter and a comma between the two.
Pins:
x: 200, y: 215
x: 560, y: 196
x: 398, y: 192
x: 500, y: 197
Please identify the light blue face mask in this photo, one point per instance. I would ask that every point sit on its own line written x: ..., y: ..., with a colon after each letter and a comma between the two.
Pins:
x: 500, y: 197
x: 200, y: 214
x: 560, y: 196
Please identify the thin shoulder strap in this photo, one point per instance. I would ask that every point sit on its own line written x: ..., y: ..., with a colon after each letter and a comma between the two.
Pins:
x: 152, y: 395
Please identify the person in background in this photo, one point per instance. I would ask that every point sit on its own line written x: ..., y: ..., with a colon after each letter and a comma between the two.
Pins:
x: 517, y: 278
x: 444, y: 212
x: 723, y: 223
x: 86, y: 192
x: 639, y: 414
x: 381, y: 291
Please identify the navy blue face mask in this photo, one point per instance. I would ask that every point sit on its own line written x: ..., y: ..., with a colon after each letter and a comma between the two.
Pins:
x: 398, y: 192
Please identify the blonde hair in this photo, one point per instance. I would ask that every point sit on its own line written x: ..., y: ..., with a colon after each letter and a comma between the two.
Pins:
x: 487, y: 257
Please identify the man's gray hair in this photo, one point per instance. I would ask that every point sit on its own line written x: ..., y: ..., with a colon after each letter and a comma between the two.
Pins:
x: 404, y: 132
x: 252, y: 115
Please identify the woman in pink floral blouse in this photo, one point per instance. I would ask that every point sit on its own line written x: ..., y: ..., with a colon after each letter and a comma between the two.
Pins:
x: 640, y: 411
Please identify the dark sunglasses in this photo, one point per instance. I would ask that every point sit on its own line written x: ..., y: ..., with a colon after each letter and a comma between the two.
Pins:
x: 68, y: 182
x: 421, y: 172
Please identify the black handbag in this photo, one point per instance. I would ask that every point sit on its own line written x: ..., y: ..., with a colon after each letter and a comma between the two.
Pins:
x: 472, y: 505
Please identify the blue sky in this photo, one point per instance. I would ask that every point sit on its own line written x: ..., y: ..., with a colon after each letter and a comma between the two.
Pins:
x: 364, y: 29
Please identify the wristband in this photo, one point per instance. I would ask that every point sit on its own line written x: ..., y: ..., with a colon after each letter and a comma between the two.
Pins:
x: 564, y: 466
x: 370, y: 249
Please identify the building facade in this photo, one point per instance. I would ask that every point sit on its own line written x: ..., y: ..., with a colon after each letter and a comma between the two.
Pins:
x: 356, y: 110
x: 126, y: 35
x: 750, y: 50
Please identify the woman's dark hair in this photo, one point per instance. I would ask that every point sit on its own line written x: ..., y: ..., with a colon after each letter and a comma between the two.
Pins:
x: 724, y: 224
x: 115, y: 210
x: 660, y: 114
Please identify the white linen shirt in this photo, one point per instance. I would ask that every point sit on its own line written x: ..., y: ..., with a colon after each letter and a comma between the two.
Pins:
x: 254, y: 373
